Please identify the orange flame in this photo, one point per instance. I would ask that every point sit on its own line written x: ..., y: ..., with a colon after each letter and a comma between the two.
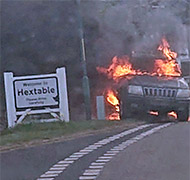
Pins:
x: 114, y: 116
x: 173, y: 114
x: 170, y: 66
x: 165, y: 48
x: 167, y: 68
x: 155, y: 113
x: 112, y: 99
x: 121, y: 66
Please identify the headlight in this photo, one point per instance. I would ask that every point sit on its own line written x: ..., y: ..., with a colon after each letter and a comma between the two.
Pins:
x: 135, y: 90
x: 183, y: 93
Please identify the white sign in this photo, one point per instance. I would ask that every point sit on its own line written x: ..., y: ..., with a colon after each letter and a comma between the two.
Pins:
x: 36, y: 92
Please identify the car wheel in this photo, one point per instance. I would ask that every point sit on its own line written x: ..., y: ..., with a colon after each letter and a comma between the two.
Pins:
x: 183, y: 115
x: 125, y: 111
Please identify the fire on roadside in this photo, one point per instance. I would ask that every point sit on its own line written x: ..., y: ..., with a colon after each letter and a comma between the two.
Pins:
x: 168, y: 67
x: 155, y: 113
x: 121, y: 67
x: 173, y: 114
x: 114, y: 102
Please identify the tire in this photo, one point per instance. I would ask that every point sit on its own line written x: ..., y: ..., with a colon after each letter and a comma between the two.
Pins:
x: 125, y: 111
x: 183, y: 115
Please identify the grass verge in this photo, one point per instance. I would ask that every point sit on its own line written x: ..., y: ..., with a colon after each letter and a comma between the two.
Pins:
x: 24, y: 133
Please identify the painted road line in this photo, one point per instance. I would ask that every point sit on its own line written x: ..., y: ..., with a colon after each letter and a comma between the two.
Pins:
x: 86, y: 150
x: 105, y: 157
x: 87, y: 177
x: 59, y: 164
x: 113, y: 152
x: 71, y: 159
x: 110, y: 154
x: 45, y: 178
x: 49, y: 175
x: 91, y: 174
x: 97, y: 164
x: 92, y: 170
x: 124, y: 145
x: 52, y: 172
x: 102, y: 160
x: 75, y: 156
x: 67, y: 162
x: 96, y: 167
x: 57, y: 169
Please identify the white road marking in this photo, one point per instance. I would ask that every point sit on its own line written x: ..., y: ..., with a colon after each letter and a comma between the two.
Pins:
x: 76, y: 156
x: 102, y: 160
x: 71, y: 159
x: 113, y: 154
x: 66, y: 162
x: 61, y: 165
x: 105, y: 157
x: 86, y: 150
x: 91, y: 174
x: 81, y: 153
x: 52, y: 172
x: 57, y: 169
x: 94, y: 165
x: 87, y: 177
x: 92, y: 170
x: 49, y: 175
x: 97, y: 164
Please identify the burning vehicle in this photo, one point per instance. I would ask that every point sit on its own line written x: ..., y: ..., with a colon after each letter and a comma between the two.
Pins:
x: 153, y: 94
x: 157, y: 90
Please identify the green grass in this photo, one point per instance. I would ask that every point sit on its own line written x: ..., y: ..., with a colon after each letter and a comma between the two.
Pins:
x: 38, y: 131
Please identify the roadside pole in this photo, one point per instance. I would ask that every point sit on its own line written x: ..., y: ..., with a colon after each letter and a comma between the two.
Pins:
x: 86, y: 87
x: 100, y: 106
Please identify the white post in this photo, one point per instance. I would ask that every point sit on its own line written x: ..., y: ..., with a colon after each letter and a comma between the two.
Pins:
x: 63, y: 97
x: 10, y: 103
x: 100, y: 107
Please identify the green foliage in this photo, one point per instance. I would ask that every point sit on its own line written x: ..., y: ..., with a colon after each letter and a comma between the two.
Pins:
x: 39, y: 131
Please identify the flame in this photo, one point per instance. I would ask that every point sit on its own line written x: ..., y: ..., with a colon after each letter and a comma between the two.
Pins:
x: 167, y: 68
x: 173, y: 114
x: 113, y: 100
x: 165, y: 48
x: 121, y: 67
x: 155, y: 113
x: 114, y: 116
x: 170, y: 66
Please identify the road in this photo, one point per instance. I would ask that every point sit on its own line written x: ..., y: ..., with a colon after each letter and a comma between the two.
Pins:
x: 148, y: 152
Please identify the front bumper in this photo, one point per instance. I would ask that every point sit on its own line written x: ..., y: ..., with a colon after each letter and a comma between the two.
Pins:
x: 156, y: 104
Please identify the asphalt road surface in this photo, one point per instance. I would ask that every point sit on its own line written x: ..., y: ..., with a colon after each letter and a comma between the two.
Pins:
x: 149, y: 152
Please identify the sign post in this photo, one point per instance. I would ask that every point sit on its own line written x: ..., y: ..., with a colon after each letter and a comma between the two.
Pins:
x: 64, y: 108
x: 10, y: 103
x: 36, y: 94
